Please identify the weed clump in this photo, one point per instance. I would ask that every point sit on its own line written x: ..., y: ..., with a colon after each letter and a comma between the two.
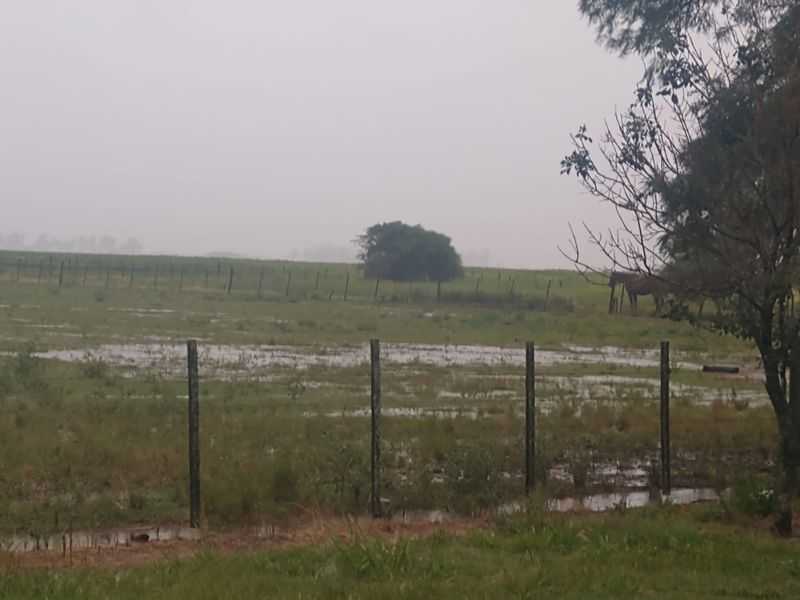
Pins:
x: 753, y: 497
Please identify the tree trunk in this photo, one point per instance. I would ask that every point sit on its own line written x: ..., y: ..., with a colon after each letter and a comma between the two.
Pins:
x: 789, y: 430
x: 788, y: 434
x: 790, y: 486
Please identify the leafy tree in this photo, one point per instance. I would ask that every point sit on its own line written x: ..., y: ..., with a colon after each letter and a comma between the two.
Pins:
x: 703, y: 170
x: 401, y: 252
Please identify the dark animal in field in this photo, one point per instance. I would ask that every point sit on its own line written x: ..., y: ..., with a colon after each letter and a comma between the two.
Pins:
x: 635, y: 285
x: 671, y: 288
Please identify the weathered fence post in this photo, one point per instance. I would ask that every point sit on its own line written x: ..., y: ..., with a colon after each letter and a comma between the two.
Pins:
x: 547, y: 294
x: 230, y: 280
x: 377, y: 287
x: 438, y: 291
x: 375, y: 405
x: 61, y: 274
x: 612, y: 301
x: 194, y: 436
x: 530, y: 418
x: 346, y: 286
x: 180, y: 281
x: 666, y: 472
x: 288, y: 284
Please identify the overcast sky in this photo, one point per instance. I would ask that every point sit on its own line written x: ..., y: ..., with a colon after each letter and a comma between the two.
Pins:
x: 265, y: 127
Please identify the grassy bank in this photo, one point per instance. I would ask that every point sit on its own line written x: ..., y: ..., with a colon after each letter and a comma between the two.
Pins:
x: 655, y: 553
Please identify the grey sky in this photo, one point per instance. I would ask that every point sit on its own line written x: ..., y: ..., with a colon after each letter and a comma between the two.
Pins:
x: 263, y: 127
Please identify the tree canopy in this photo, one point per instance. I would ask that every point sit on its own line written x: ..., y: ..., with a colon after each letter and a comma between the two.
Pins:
x: 703, y: 170
x: 401, y: 252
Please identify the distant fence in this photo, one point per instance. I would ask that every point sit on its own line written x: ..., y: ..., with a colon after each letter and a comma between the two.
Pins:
x: 275, y: 281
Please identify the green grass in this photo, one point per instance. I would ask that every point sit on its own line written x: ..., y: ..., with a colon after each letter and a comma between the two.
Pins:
x: 658, y: 553
x: 101, y: 308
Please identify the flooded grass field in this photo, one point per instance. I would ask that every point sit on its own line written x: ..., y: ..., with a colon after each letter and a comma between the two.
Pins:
x: 93, y: 395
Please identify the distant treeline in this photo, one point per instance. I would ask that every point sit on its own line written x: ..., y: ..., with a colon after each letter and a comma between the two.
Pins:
x: 104, y: 244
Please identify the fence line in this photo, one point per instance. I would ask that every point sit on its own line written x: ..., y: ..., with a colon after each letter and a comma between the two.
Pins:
x: 376, y: 509
x: 264, y: 282
x: 376, y: 438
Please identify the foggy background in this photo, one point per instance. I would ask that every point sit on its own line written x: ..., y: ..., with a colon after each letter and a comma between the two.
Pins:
x: 284, y: 129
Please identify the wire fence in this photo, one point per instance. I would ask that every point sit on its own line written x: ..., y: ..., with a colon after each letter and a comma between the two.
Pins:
x: 84, y: 443
x: 271, y: 280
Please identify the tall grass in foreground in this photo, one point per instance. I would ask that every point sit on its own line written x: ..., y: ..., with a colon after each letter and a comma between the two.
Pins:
x: 655, y: 553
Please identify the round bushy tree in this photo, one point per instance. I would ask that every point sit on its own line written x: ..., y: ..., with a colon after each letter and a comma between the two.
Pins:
x: 401, y: 252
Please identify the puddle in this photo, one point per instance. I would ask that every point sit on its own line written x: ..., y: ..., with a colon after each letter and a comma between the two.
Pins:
x: 599, y: 387
x: 223, y: 361
x: 497, y: 356
x: 228, y: 361
x: 20, y: 306
x: 422, y: 516
x: 592, y: 503
x: 484, y: 394
x: 612, y: 501
x: 158, y: 311
x: 88, y: 540
x: 631, y: 477
x: 143, y: 313
x: 553, y: 396
x: 239, y: 358
x: 606, y: 502
x: 446, y: 412
x: 624, y: 356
